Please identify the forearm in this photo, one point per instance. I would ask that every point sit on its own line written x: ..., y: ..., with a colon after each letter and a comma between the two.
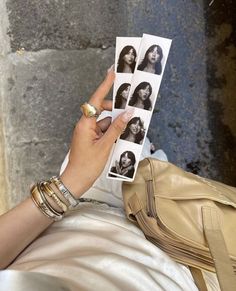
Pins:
x: 22, y: 224
x: 19, y: 227
x: 90, y: 148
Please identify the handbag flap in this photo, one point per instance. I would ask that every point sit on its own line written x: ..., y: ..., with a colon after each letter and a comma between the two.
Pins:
x: 171, y: 182
x: 179, y: 198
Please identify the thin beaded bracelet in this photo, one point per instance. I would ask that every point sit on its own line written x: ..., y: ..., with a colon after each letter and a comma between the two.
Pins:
x: 65, y: 192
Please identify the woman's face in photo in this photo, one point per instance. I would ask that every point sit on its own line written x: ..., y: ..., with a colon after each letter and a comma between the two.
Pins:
x: 125, y: 161
x: 135, y: 127
x: 153, y: 56
x: 144, y: 93
x: 125, y: 93
x: 129, y: 57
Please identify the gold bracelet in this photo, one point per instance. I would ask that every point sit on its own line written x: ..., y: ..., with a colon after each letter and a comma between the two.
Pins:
x: 56, y: 212
x: 43, y: 208
x: 50, y: 192
x: 41, y: 202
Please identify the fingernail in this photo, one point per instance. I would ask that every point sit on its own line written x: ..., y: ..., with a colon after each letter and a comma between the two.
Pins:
x: 111, y: 68
x: 127, y: 114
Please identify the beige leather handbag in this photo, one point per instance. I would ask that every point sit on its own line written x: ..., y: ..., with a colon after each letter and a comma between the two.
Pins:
x: 191, y: 218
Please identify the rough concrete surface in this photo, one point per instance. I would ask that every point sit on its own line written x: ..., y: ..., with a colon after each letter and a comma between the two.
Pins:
x: 4, y: 25
x: 68, y: 46
x: 4, y: 201
x: 37, y: 109
x: 67, y: 24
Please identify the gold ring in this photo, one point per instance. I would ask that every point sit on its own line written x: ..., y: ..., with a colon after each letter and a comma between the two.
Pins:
x: 89, y: 110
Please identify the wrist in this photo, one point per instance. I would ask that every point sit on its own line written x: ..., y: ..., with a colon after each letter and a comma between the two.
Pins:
x: 73, y: 185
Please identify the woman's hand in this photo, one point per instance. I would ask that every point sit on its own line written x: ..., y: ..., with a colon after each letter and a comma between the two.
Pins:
x: 92, y: 142
x: 126, y: 170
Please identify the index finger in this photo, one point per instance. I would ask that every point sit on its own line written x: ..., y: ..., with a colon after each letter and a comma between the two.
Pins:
x: 103, y: 89
x: 98, y: 97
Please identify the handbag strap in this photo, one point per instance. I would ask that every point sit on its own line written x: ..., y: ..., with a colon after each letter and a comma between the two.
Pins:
x: 198, y: 278
x: 217, y: 246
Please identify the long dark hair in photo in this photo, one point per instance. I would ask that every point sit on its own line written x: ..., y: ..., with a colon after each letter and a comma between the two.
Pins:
x: 158, y: 66
x: 130, y: 155
x: 147, y: 103
x: 124, y: 52
x: 119, y: 98
x: 140, y: 135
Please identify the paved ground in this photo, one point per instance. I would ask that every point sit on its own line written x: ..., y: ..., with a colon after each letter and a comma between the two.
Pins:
x: 67, y: 47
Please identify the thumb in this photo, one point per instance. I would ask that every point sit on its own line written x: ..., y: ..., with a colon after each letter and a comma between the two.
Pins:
x: 117, y: 127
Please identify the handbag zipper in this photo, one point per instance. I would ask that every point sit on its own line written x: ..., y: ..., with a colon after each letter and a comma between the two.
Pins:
x: 177, y: 248
x: 176, y: 252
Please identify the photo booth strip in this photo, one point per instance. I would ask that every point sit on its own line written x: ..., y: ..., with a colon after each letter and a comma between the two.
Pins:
x: 123, y: 80
x: 124, y: 45
x: 151, y: 61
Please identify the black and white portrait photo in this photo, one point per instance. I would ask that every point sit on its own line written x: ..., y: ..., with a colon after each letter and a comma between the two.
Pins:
x: 134, y: 131
x: 122, y: 95
x: 126, y: 54
x: 125, y: 166
x: 151, y: 62
x: 127, y: 60
x: 141, y: 96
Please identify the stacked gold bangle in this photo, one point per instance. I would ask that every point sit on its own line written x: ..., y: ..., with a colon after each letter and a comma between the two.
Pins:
x: 49, y: 191
x: 44, y: 189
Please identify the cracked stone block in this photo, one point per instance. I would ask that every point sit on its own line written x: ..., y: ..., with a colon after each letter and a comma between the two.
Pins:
x: 41, y: 96
x: 67, y: 24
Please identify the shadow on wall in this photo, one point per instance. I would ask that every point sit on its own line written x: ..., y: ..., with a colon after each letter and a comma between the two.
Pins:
x: 221, y: 78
